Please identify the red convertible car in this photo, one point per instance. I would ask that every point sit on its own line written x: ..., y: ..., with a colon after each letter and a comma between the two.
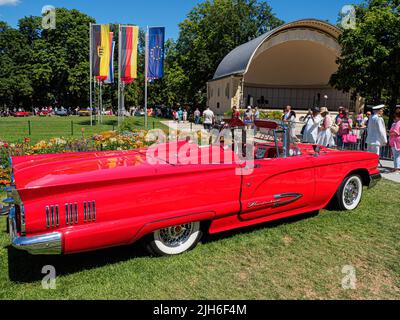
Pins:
x: 71, y: 203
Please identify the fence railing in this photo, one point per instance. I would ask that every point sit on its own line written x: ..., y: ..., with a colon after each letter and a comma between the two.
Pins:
x: 361, y: 145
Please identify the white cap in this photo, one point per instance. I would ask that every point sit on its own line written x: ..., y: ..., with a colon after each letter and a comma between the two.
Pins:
x: 382, y: 106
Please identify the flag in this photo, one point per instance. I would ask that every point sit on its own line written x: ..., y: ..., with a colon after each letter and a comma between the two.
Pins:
x: 110, y: 78
x: 155, y: 52
x: 129, y: 53
x: 101, y: 51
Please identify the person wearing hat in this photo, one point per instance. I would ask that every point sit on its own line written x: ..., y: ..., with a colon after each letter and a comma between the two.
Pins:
x: 312, y: 126
x: 249, y: 118
x: 377, y: 136
x: 325, y: 137
x: 340, y: 114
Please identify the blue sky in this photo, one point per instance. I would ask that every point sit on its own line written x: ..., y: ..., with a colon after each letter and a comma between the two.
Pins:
x: 166, y: 13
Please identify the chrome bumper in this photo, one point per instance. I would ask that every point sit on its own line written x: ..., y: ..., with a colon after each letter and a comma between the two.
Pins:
x: 374, y: 179
x: 46, y: 244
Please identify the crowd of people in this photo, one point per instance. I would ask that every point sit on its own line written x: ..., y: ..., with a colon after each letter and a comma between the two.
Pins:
x: 369, y: 130
x: 319, y: 127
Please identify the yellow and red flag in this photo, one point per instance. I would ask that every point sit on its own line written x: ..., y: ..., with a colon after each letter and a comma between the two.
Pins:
x: 129, y: 53
x: 101, y: 51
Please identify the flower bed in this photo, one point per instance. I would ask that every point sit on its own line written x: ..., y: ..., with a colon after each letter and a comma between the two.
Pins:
x: 110, y: 140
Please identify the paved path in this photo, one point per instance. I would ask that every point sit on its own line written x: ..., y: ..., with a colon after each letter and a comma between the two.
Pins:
x: 387, y: 167
x: 182, y: 126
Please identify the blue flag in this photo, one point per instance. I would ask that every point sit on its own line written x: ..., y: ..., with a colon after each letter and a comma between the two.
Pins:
x: 155, y: 51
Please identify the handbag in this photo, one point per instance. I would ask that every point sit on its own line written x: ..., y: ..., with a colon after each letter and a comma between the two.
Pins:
x: 334, y: 129
x: 350, y: 138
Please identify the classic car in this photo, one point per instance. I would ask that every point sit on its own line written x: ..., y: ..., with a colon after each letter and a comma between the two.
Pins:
x: 84, y: 113
x: 21, y: 114
x: 62, y: 112
x: 45, y: 113
x: 78, y: 202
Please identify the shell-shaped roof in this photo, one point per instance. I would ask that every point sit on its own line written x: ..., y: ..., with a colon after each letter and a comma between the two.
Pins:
x: 239, y: 59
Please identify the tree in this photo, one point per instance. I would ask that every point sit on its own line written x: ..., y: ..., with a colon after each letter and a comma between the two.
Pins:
x: 41, y: 67
x: 15, y: 85
x: 211, y: 30
x: 370, y: 61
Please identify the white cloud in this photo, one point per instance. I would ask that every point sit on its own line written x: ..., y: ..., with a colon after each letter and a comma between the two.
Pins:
x: 9, y: 2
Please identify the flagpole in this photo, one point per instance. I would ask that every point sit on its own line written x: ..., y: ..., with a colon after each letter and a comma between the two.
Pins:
x: 101, y: 102
x: 119, y: 73
x: 145, y: 77
x: 91, y: 72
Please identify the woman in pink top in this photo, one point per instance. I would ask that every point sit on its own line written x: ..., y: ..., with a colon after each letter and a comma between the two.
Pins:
x: 395, y: 141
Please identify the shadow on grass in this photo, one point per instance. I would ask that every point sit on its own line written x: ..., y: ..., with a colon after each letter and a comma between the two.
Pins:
x: 106, y: 122
x: 26, y: 268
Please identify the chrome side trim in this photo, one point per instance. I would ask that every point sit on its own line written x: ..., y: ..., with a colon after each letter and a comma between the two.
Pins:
x: 46, y: 244
x: 57, y: 217
x: 76, y: 213
x: 52, y: 216
x: 94, y: 210
x: 89, y: 211
x: 84, y: 212
x: 47, y: 217
x: 294, y: 197
x: 66, y: 214
x: 71, y: 214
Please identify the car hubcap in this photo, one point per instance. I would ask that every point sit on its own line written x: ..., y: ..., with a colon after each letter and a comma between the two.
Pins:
x: 177, y: 235
x: 351, y: 192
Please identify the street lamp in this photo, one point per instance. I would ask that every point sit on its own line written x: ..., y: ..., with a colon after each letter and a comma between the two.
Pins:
x: 326, y: 100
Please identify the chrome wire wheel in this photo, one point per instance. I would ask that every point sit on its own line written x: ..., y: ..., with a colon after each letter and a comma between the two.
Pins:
x: 352, y: 192
x: 176, y: 236
x: 177, y: 239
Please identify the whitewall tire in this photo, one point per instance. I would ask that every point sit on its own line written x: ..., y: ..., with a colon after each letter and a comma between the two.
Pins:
x: 350, y: 193
x: 174, y: 240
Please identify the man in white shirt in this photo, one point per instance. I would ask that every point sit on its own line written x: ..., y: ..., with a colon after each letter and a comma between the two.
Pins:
x: 377, y: 135
x: 208, y: 117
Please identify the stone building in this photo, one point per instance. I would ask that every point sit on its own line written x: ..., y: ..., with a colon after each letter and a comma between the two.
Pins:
x: 291, y: 64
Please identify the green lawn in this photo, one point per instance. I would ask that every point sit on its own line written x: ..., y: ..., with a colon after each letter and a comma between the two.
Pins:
x: 16, y: 129
x: 300, y: 259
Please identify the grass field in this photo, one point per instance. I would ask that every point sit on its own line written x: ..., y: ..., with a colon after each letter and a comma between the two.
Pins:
x: 294, y: 259
x: 16, y: 129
